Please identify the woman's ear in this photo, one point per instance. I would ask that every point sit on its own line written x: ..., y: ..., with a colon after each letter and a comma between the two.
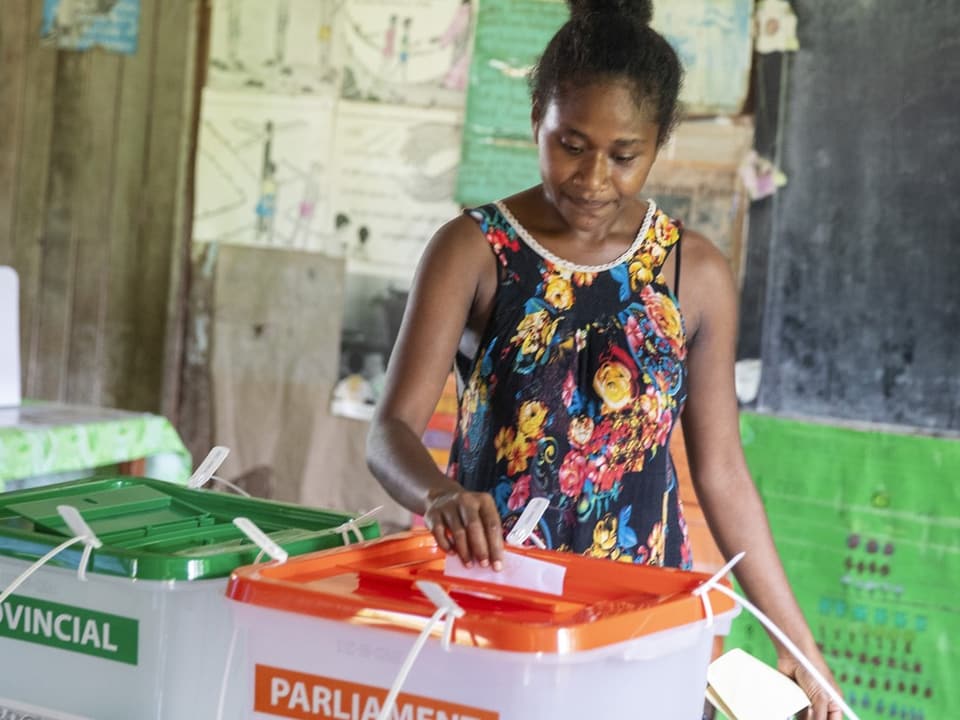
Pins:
x: 535, y: 120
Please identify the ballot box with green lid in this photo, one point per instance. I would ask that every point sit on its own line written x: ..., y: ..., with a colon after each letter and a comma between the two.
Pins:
x: 144, y: 634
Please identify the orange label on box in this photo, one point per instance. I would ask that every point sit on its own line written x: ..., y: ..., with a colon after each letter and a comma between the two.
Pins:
x: 291, y: 694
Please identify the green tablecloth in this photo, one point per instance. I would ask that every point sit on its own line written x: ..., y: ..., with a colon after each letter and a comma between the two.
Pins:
x: 867, y: 523
x: 47, y: 442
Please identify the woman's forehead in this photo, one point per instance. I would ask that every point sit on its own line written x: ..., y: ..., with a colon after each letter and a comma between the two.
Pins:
x: 602, y: 103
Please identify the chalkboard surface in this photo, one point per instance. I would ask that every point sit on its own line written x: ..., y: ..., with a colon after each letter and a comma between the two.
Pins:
x: 862, y: 304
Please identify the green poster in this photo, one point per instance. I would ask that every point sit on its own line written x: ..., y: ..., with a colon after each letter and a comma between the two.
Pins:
x: 494, y: 168
x: 868, y: 527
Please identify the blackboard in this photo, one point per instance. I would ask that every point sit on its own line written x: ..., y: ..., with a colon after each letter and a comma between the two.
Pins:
x: 861, y: 293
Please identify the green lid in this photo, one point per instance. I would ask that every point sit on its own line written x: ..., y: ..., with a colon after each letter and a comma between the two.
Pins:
x: 155, y: 530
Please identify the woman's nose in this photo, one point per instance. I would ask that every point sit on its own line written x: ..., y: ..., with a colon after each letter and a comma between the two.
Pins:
x: 594, y: 170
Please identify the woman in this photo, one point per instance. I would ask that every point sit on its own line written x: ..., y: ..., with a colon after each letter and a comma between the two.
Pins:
x: 560, y: 306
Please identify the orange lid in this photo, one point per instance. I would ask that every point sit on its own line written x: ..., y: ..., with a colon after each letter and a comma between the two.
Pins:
x: 372, y: 583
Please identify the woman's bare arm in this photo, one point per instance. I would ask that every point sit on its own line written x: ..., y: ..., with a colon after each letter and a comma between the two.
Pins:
x: 456, y: 269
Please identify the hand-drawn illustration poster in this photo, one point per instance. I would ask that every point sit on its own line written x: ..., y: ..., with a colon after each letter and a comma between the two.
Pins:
x: 714, y: 40
x: 83, y: 24
x: 372, y: 311
x: 510, y: 36
x: 274, y: 46
x: 395, y: 168
x: 264, y: 171
x: 401, y: 51
x: 866, y: 525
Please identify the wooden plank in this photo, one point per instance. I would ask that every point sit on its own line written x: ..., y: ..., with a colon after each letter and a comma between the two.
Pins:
x: 162, y: 232
x: 57, y: 272
x: 92, y: 194
x: 175, y: 339
x: 40, y: 65
x: 126, y: 216
x: 13, y: 50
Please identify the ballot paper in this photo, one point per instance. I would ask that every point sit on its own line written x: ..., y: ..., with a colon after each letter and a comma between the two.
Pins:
x: 744, y: 688
x: 518, y: 571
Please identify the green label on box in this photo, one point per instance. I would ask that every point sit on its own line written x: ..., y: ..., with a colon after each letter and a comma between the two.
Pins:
x: 70, y: 628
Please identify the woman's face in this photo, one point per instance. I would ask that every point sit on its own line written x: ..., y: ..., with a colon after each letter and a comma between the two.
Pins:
x: 596, y: 149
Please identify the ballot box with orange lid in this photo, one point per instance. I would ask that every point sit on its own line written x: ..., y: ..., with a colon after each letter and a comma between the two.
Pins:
x: 325, y: 634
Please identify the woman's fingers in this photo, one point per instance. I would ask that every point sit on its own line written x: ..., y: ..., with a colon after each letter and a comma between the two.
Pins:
x: 468, y: 523
x: 490, y: 519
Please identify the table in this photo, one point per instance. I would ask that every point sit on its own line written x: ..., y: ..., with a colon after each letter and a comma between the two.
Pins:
x: 42, y: 443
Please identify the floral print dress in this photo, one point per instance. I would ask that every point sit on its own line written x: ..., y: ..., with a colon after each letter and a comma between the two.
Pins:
x: 574, y: 392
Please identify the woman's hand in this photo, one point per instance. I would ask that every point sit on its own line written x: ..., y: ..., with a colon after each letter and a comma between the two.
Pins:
x: 468, y: 524
x: 821, y: 706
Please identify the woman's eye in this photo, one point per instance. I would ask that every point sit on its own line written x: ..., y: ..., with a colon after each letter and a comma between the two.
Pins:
x: 572, y: 149
x: 624, y: 159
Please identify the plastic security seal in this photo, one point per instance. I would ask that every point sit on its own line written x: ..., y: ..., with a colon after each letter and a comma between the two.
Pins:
x: 447, y: 612
x: 74, y: 520
x: 260, y: 538
x: 211, y: 463
x: 702, y: 591
x: 527, y: 523
x: 353, y: 525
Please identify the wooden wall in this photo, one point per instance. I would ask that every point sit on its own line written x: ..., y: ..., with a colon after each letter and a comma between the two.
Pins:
x: 94, y: 216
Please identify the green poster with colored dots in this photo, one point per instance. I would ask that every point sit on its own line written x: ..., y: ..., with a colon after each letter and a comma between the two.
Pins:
x: 868, y: 526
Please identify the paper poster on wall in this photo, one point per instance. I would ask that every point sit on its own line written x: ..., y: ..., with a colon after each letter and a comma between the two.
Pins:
x: 865, y: 521
x: 372, y: 310
x: 274, y: 46
x: 696, y: 178
x: 494, y: 168
x: 83, y: 24
x: 714, y: 40
x: 395, y: 168
x: 263, y: 174
x: 399, y: 51
x: 510, y: 36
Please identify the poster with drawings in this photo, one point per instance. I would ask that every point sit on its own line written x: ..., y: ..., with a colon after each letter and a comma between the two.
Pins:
x: 715, y: 43
x: 415, y: 52
x: 395, y: 168
x: 263, y: 172
x: 274, y: 46
x: 83, y: 24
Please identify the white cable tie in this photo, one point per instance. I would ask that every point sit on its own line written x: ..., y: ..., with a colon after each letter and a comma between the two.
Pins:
x: 260, y: 538
x: 206, y: 469
x: 84, y: 560
x: 703, y: 591
x: 20, y: 579
x: 386, y: 711
x: 714, y: 584
x: 527, y: 523
x: 353, y: 525
x: 448, y: 631
x: 233, y: 486
x: 74, y: 520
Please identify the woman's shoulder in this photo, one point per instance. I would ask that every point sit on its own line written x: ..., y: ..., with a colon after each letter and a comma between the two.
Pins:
x: 706, y: 279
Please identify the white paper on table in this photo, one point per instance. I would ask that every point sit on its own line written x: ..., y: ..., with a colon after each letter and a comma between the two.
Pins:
x: 9, y: 338
x: 518, y: 571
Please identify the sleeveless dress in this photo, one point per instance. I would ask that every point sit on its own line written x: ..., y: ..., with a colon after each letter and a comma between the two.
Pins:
x: 573, y: 395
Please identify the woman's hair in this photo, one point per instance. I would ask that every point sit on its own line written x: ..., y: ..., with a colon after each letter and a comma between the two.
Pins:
x: 611, y: 40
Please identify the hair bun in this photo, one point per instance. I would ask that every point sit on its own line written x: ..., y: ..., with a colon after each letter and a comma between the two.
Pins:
x: 640, y: 11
